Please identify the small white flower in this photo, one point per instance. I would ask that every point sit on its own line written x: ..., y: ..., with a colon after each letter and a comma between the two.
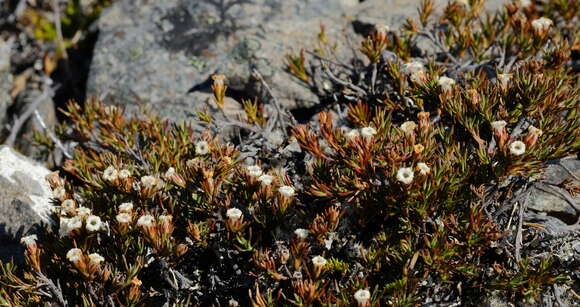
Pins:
x: 94, y: 223
x: 123, y: 218
x: 59, y: 193
x: 126, y: 207
x: 68, y: 205
x: 525, y: 3
x: 535, y: 131
x: 110, y: 174
x: 265, y: 179
x: 234, y: 214
x: 83, y: 211
x: 542, y: 24
x: 382, y: 28
x: 413, y: 67
x: 254, y: 170
x: 352, y: 134
x: 446, y: 83
x: 368, y: 132
x: 169, y: 173
x: 74, y: 223
x: 146, y: 220
x: 319, y: 261
x: 362, y: 296
x: 29, y: 241
x: 201, y: 147
x: 95, y: 258
x: 124, y: 173
x: 286, y: 191
x: 405, y: 175
x: 148, y: 181
x: 408, y: 127
x: 165, y: 218
x: 504, y: 79
x: 301, y: 233
x: 424, y: 169
x: 498, y: 125
x: 74, y: 255
x: 517, y: 148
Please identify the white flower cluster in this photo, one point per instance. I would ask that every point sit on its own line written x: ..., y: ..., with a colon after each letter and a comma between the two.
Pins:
x: 234, y: 214
x: 446, y: 83
x: 146, y: 220
x: 366, y: 132
x: 415, y: 70
x: 201, y: 148
x: 29, y: 240
x: 542, y: 24
x: 405, y: 175
x: 286, y: 191
x: 362, y: 296
x: 517, y: 148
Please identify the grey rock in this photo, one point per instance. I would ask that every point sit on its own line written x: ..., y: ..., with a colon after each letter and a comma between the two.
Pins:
x: 161, y: 54
x: 25, y: 200
x: 5, y: 80
x: 47, y: 113
x: 550, y: 198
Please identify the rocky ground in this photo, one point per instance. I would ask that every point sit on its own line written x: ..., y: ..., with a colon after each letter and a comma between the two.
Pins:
x: 160, y: 55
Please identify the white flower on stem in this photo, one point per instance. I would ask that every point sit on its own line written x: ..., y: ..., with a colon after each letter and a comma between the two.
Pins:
x: 266, y: 180
x: 254, y: 170
x: 413, y: 67
x: 110, y: 174
x: 517, y: 148
x: 29, y: 240
x: 123, y: 218
x: 423, y: 168
x: 59, y: 193
x: 126, y: 207
x: 201, y: 148
x: 286, y: 191
x: 542, y: 24
x: 368, y: 132
x: 498, y: 126
x: 301, y: 233
x: 535, y: 131
x: 124, y: 173
x: 74, y: 223
x: 352, y: 134
x: 74, y: 255
x: 319, y: 261
x: 148, y: 181
x: 234, y: 214
x: 405, y: 175
x: 83, y: 211
x: 94, y: 223
x: 165, y: 218
x: 408, y: 127
x: 95, y: 258
x: 146, y: 220
x: 446, y: 83
x: 169, y: 173
x: 362, y: 296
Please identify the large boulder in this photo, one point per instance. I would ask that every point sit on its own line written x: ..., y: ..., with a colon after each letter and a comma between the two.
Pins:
x: 162, y: 53
x: 25, y: 200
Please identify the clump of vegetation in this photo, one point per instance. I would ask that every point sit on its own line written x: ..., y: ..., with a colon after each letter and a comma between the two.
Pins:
x: 399, y: 200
